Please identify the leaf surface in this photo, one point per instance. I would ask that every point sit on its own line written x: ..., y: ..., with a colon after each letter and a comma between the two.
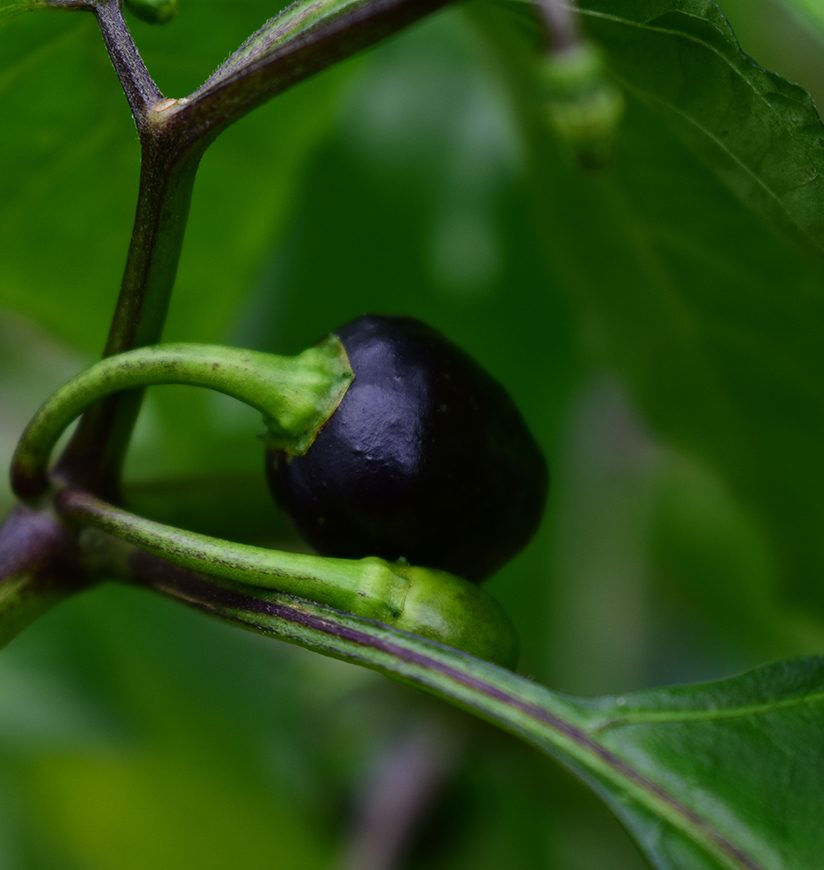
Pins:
x: 723, y: 774
x: 693, y: 262
x: 759, y: 133
x: 741, y: 754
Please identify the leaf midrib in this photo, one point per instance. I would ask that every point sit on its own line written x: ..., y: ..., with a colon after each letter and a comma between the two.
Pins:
x: 676, y: 717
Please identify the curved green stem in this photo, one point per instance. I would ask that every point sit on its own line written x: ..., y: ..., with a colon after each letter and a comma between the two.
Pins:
x: 296, y: 395
x: 423, y: 601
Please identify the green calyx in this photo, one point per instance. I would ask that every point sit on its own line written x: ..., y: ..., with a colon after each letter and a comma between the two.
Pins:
x: 295, y: 395
x: 296, y: 408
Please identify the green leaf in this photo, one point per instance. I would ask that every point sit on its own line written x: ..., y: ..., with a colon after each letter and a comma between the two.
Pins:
x: 682, y: 282
x: 760, y: 134
x: 741, y: 754
x: 692, y: 771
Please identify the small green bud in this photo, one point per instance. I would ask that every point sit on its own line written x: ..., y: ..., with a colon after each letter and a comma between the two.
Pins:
x: 455, y: 612
x: 582, y: 105
x: 153, y: 11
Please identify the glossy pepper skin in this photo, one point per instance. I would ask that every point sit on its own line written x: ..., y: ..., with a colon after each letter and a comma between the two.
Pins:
x: 426, y: 459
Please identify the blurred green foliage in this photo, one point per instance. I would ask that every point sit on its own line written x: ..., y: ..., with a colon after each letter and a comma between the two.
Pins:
x: 680, y: 538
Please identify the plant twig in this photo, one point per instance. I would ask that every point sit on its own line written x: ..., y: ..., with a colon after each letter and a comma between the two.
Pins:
x: 138, y: 85
x: 39, y: 566
x: 173, y: 136
x: 94, y: 456
x: 305, y: 38
x: 563, y: 33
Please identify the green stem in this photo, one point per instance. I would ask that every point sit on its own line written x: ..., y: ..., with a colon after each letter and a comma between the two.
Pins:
x: 296, y: 395
x: 423, y: 601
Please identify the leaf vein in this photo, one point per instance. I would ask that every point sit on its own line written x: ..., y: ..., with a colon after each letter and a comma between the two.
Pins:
x: 676, y: 717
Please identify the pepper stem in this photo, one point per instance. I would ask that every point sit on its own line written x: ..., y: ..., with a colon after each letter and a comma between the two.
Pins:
x: 423, y: 601
x: 296, y: 395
